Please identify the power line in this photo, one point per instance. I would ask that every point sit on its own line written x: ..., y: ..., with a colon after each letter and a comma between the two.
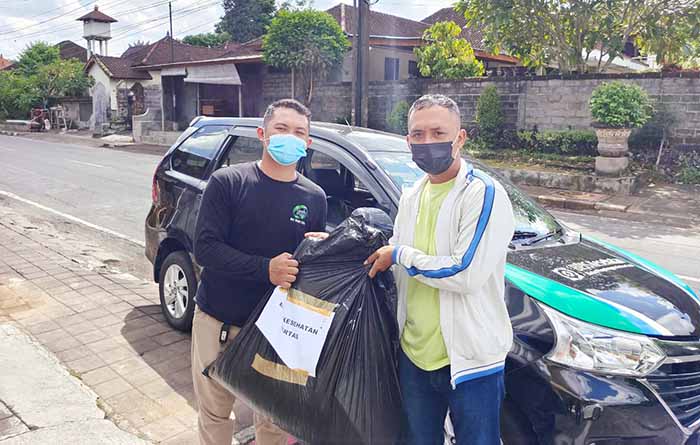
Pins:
x: 125, y: 27
x: 45, y: 21
x: 54, y: 29
x: 163, y: 18
x: 178, y: 14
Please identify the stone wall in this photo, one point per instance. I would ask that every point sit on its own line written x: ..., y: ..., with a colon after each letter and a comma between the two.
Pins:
x: 330, y: 102
x: 547, y: 102
x: 563, y: 103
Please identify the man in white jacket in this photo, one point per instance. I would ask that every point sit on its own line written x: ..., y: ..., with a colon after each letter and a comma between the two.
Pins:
x: 449, y: 248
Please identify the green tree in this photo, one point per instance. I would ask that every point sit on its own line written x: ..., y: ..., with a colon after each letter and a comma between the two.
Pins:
x: 36, y: 55
x: 447, y: 56
x: 20, y: 92
x: 398, y: 118
x: 572, y: 34
x: 296, y: 5
x: 307, y: 42
x: 489, y: 116
x: 210, y: 39
x: 61, y: 78
x: 17, y: 95
x: 245, y: 20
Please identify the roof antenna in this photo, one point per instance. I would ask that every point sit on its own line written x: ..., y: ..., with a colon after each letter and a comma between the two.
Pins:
x: 348, y: 124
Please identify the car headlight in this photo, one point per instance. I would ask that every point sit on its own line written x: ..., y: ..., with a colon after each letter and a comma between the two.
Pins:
x: 594, y: 348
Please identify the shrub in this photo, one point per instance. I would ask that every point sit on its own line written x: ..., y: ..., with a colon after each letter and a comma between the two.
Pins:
x: 689, y: 172
x: 489, y: 117
x: 689, y: 175
x: 620, y: 105
x: 568, y: 143
x: 398, y: 118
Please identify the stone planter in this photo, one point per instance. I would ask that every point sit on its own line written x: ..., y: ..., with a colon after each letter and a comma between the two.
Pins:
x: 613, y: 149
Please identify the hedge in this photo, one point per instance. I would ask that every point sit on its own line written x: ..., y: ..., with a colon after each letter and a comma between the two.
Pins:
x: 568, y: 143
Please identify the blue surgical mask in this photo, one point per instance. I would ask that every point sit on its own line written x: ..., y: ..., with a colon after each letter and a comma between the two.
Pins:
x: 286, y: 149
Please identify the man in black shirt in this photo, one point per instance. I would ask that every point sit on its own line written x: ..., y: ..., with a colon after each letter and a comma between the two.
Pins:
x: 252, y: 217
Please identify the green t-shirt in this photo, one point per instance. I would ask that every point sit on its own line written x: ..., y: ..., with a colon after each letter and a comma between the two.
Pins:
x: 421, y: 339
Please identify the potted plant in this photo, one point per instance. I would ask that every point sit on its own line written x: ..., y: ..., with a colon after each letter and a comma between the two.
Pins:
x: 617, y: 108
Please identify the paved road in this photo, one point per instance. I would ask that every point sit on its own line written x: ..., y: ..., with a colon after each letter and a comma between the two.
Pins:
x: 105, y: 187
x: 112, y: 189
x: 675, y: 248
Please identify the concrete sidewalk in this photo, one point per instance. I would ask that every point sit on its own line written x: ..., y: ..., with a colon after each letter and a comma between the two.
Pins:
x: 107, y: 329
x: 85, y: 138
x: 679, y: 202
x: 41, y: 403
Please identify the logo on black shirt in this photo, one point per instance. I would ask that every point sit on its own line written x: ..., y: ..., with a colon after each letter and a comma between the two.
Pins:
x: 299, y: 214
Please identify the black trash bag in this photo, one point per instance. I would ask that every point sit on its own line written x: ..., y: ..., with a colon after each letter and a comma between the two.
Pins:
x: 355, y: 397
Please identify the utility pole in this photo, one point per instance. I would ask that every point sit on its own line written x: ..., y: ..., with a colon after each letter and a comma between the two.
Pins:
x: 172, y: 59
x: 172, y: 48
x: 360, y: 84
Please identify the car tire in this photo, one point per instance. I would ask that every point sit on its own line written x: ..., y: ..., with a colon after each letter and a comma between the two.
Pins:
x: 177, y: 286
x: 515, y: 426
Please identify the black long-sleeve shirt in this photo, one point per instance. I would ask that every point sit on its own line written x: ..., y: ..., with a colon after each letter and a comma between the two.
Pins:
x: 247, y: 218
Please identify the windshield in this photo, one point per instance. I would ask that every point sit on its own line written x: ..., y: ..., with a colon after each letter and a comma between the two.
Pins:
x: 530, y: 219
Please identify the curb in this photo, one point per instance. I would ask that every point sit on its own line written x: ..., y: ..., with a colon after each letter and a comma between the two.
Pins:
x: 9, y: 133
x: 579, y: 204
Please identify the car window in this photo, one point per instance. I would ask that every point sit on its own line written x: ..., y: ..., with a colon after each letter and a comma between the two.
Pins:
x: 529, y: 216
x: 345, y: 191
x: 242, y: 149
x: 193, y: 155
x: 323, y: 161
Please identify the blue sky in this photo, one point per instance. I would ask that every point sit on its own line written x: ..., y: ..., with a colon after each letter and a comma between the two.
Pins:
x: 25, y: 21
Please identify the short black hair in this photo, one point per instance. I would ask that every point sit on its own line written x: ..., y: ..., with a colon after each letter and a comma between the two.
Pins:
x: 292, y: 104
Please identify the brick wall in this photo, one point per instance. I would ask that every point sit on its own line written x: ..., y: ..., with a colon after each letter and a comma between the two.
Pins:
x: 152, y: 97
x: 548, y: 102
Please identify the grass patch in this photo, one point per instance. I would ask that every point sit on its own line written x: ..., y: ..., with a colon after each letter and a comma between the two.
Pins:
x: 525, y: 159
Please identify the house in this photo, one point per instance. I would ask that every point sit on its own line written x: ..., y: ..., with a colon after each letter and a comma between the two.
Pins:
x: 113, y: 73
x: 71, y: 50
x: 5, y: 63
x: 175, y: 82
x: 172, y: 82
x: 392, y: 41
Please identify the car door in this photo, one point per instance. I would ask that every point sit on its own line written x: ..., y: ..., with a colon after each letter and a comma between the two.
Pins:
x: 347, y: 182
x: 183, y: 182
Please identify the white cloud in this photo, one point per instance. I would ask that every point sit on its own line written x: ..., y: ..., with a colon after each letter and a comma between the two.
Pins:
x: 23, y: 21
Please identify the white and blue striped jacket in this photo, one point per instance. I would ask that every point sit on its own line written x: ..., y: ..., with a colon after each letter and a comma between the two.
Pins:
x: 474, y: 227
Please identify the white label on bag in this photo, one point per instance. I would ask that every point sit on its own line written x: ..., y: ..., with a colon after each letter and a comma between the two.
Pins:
x: 296, y: 330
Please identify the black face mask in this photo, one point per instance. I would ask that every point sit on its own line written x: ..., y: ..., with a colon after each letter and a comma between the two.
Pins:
x: 433, y: 158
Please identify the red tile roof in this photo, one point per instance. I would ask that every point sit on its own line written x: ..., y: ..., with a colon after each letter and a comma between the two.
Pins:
x: 97, y: 16
x: 137, y: 52
x: 71, y: 50
x: 117, y: 68
x: 380, y: 24
x: 473, y: 35
x: 159, y: 53
x: 4, y: 63
x: 250, y: 48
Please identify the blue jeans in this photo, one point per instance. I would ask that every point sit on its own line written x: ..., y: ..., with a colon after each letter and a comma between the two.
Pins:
x: 475, y: 406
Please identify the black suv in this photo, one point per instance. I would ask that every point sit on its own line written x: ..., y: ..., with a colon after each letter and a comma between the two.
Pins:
x: 606, y: 344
